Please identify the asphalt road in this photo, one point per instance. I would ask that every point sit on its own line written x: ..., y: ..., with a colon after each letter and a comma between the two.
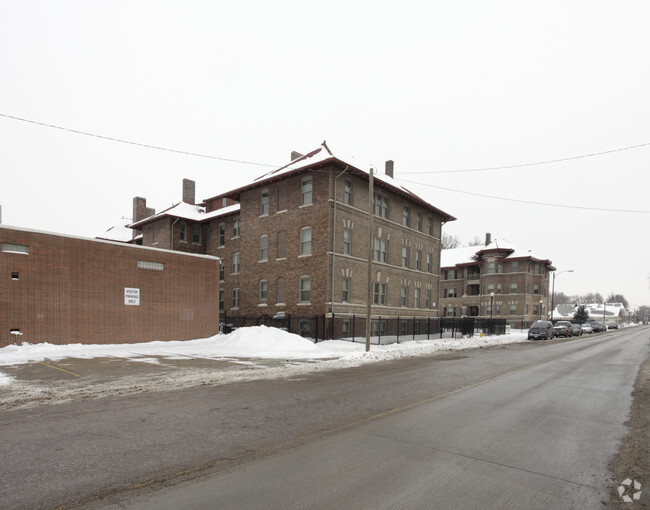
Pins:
x: 524, y: 426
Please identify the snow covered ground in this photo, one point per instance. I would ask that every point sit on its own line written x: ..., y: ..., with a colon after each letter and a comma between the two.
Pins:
x: 246, y: 354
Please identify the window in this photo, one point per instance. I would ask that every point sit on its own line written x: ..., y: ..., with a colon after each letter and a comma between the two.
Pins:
x: 513, y: 309
x: 222, y: 271
x: 345, y: 328
x: 306, y: 186
x: 222, y: 234
x: 380, y: 250
x: 345, y: 292
x: 490, y: 288
x: 499, y: 288
x: 514, y: 266
x: 406, y: 217
x: 264, y: 203
x: 536, y: 289
x: 418, y: 221
x: 15, y: 275
x: 418, y: 259
x: 403, y: 327
x: 404, y: 296
x: 347, y: 193
x: 235, y: 263
x: 264, y: 290
x: 451, y: 293
x: 537, y: 268
x: 405, y: 256
x: 430, y: 226
x: 427, y: 299
x: 450, y: 311
x: 378, y: 327
x: 513, y: 288
x: 305, y: 327
x: 15, y: 248
x: 535, y: 310
x: 235, y: 298
x: 497, y: 310
x: 429, y: 263
x: 416, y: 297
x: 264, y: 247
x: 281, y: 290
x: 490, y: 267
x: 451, y: 274
x: 282, y: 244
x: 347, y: 241
x: 381, y: 206
x: 221, y: 300
x: 196, y: 234
x: 379, y: 293
x: 235, y: 227
x: 305, y: 241
x: 283, y: 198
x: 305, y: 289
x: 183, y: 234
x: 146, y: 264
x: 499, y: 267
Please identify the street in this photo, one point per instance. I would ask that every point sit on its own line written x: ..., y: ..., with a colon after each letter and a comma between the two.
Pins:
x: 533, y: 425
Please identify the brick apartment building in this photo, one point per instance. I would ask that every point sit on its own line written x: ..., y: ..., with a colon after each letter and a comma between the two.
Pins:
x: 496, y: 280
x: 61, y: 289
x: 296, y: 241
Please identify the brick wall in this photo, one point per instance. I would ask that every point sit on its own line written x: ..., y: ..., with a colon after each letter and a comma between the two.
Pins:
x: 72, y: 290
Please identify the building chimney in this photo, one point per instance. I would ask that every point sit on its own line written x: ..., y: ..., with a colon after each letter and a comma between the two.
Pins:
x: 189, y: 195
x: 389, y: 167
x: 295, y: 155
x: 488, y: 238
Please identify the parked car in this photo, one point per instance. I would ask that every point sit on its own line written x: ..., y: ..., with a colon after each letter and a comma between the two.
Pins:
x: 613, y: 325
x: 577, y: 329
x: 541, y: 330
x: 598, y: 326
x: 586, y: 328
x: 563, y: 328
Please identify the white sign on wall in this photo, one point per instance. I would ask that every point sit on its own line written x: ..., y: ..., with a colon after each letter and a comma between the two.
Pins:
x: 131, y: 296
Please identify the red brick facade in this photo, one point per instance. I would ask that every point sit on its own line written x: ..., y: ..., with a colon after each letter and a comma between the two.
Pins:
x: 61, y: 289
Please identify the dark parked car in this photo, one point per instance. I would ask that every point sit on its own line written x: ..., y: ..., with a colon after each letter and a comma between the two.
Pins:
x: 541, y: 330
x: 598, y: 326
x: 563, y: 328
x: 577, y: 329
x: 613, y: 325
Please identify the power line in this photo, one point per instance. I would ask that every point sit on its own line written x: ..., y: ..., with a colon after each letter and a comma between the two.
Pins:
x: 110, y: 138
x: 521, y: 165
x: 600, y: 209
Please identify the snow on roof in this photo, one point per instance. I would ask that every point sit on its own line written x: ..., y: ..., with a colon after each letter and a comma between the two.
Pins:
x: 471, y: 254
x: 118, y: 232
x: 187, y: 211
x: 595, y: 310
x: 325, y: 154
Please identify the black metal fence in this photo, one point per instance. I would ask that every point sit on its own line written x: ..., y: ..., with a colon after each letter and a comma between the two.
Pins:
x: 382, y: 330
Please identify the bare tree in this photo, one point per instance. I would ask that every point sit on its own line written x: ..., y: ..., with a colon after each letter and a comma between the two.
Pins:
x: 449, y: 241
x: 561, y: 298
x: 618, y: 298
x: 475, y: 242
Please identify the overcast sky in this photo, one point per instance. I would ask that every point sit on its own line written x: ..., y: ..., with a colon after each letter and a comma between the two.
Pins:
x: 438, y: 87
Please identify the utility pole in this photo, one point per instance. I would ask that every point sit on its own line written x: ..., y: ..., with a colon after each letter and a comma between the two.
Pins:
x: 370, y: 215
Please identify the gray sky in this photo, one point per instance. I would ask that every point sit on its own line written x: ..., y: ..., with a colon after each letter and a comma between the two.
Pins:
x: 436, y: 86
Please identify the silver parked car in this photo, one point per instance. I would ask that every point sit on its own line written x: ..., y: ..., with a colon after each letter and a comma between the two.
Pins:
x: 577, y: 329
x: 586, y: 328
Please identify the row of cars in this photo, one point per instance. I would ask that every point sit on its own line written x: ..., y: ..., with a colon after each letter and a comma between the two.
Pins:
x: 545, y: 330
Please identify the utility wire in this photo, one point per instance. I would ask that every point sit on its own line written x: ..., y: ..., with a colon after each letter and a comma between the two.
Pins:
x: 134, y: 143
x: 411, y: 182
x: 546, y: 204
x: 569, y: 158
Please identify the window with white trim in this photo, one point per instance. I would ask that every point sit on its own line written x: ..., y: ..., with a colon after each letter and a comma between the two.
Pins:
x: 306, y: 191
x: 305, y: 241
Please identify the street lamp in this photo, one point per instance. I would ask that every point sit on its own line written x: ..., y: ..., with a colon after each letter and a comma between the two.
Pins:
x: 541, y: 305
x: 553, y: 291
x: 491, y: 302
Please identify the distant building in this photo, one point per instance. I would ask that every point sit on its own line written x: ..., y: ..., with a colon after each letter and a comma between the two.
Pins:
x: 495, y: 280
x: 297, y: 241
x: 607, y: 313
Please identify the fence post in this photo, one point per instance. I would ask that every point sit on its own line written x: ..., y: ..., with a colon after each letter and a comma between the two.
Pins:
x: 413, y: 328
x: 398, y: 328
x: 354, y: 320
